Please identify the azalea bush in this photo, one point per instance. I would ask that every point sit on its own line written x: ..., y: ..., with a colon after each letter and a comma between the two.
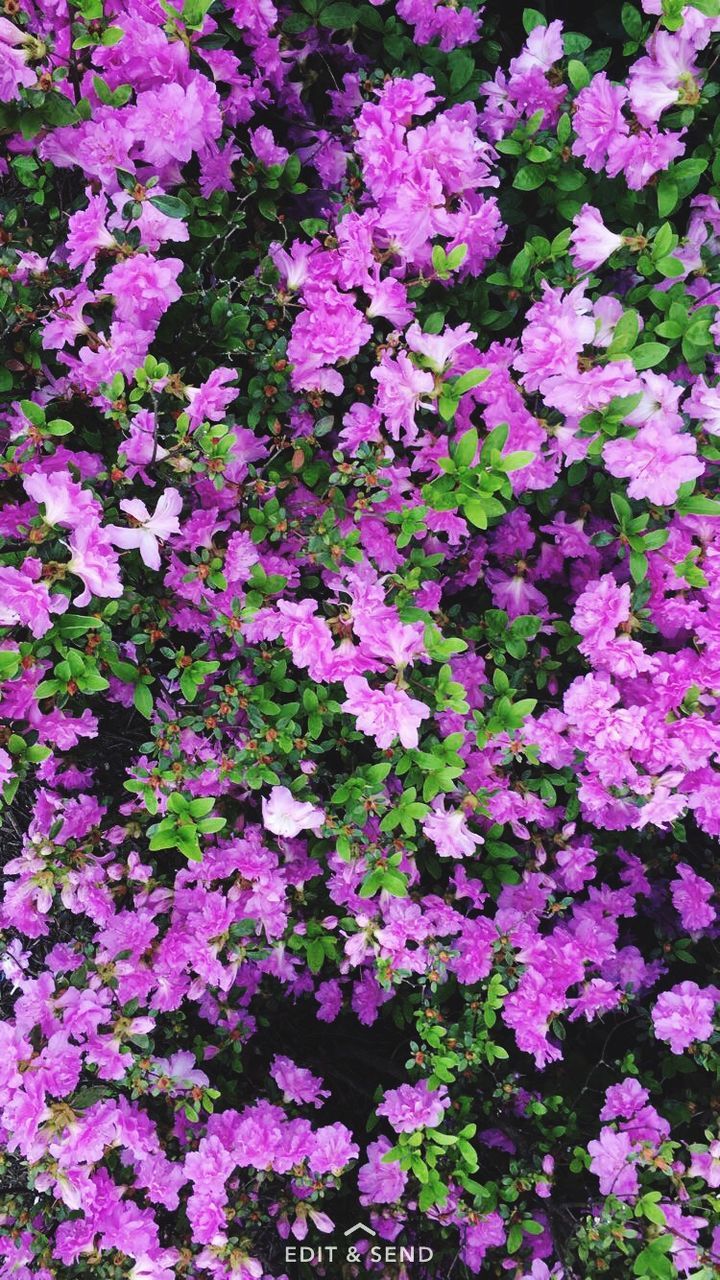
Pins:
x: 360, y: 649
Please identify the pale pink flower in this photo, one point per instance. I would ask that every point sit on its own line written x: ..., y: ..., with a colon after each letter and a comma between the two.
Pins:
x: 592, y: 242
x: 150, y: 529
x: 286, y: 816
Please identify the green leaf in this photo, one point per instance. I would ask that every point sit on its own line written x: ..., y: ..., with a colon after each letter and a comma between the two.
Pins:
x: 143, y: 700
x: 371, y: 884
x: 315, y: 955
x: 578, y: 74
x: 189, y: 687
x: 516, y: 461
x: 649, y: 354
x: 638, y: 566
x: 456, y: 257
x: 698, y: 505
x: 464, y: 450
x: 469, y: 380
x: 476, y: 513
x: 76, y: 624
x: 111, y: 36
x: 663, y: 241
x: 529, y: 177
x: 33, y: 412
x: 46, y: 689
x: 670, y: 267
x: 171, y: 206
x: 625, y: 334
x: 462, y: 69
x: 667, y: 195
x: 337, y: 16
x: 632, y: 21
x: 9, y: 663
x: 532, y: 18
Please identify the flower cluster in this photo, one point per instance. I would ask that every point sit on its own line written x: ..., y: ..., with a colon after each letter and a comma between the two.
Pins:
x: 359, y: 637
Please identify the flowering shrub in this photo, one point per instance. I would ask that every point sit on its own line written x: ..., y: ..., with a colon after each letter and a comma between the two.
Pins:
x: 360, y: 607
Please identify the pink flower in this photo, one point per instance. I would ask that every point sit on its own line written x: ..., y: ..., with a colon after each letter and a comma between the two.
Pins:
x: 297, y: 1083
x: 591, y: 241
x: 477, y: 1237
x: 87, y: 232
x: 449, y: 832
x: 14, y: 71
x: 333, y: 1150
x: 691, y: 896
x: 431, y: 18
x: 286, y: 816
x: 209, y: 401
x: 401, y: 387
x: 330, y: 331
x: 65, y: 501
x: 384, y: 714
x: 612, y: 1154
x: 380, y: 1182
x: 94, y: 561
x: 144, y: 288
x: 598, y: 120
x: 666, y: 77
x: 599, y: 611
x: 639, y: 156
x: 685, y: 1014
x: 266, y: 148
x: 439, y: 349
x: 172, y: 122
x: 25, y: 600
x: 706, y: 1164
x: 413, y: 1107
x: 150, y: 529
x: 657, y: 461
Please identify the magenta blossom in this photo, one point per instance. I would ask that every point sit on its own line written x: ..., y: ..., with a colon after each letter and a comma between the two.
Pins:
x: 413, y: 1107
x: 386, y: 713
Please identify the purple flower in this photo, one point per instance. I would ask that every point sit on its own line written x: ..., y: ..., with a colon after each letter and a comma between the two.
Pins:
x: 449, y: 832
x: 384, y: 714
x: 413, y: 1107
x: 612, y: 1163
x: 691, y: 896
x: 685, y: 1014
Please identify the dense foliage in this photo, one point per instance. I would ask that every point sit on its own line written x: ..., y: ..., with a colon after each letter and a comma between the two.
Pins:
x: 360, y: 607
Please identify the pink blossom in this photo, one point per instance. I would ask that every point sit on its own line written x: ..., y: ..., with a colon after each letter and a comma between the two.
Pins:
x: 657, y: 461
x: 612, y: 1155
x: 93, y: 560
x: 285, y: 816
x: 386, y: 713
x: 592, y: 242
x: 598, y: 120
x: 149, y: 530
x: 684, y: 1014
x: 413, y: 1107
x: 26, y: 600
x: 449, y: 832
x: 173, y: 121
x: 144, y: 288
x: 691, y: 896
x: 401, y: 388
x: 331, y: 330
